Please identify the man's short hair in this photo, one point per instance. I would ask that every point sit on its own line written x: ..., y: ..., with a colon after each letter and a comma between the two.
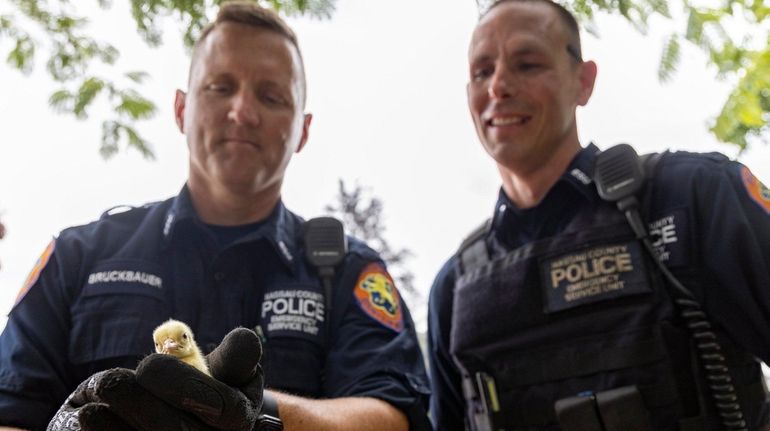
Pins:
x: 251, y: 14
x: 567, y: 18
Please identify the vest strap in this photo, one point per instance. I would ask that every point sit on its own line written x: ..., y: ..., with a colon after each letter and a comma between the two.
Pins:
x: 473, y: 251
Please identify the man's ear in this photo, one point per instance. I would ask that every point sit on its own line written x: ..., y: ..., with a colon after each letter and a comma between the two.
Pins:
x: 179, y: 105
x: 587, y: 80
x: 308, y: 118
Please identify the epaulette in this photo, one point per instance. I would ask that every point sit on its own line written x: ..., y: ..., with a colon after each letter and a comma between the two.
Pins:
x: 118, y: 209
x: 121, y: 212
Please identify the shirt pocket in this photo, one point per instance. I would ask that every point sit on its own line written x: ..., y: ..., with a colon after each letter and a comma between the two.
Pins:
x: 294, y: 365
x: 120, y: 304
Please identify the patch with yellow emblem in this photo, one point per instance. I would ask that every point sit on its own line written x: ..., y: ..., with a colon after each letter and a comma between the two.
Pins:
x: 377, y: 296
x: 758, y: 191
x: 36, y: 270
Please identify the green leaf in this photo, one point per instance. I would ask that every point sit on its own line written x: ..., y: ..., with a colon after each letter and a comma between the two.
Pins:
x: 138, y: 143
x: 745, y: 115
x: 110, y: 137
x: 729, y: 58
x: 22, y: 55
x: 108, y: 54
x: 111, y: 133
x: 61, y: 101
x: 694, y: 31
x: 6, y: 24
x: 144, y: 14
x: 660, y: 7
x: 64, y: 23
x: 61, y: 64
x: 749, y: 112
x: 88, y: 90
x: 135, y: 106
x: 669, y: 59
x: 137, y: 76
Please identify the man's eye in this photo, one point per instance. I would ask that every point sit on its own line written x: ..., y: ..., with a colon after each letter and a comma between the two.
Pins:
x: 273, y: 98
x: 481, y: 73
x: 528, y: 67
x: 218, y: 88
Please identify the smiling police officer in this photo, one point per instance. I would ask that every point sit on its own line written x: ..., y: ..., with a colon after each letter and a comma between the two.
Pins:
x: 556, y: 315
x: 223, y: 253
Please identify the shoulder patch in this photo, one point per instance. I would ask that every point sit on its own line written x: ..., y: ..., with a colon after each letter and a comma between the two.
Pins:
x: 42, y: 261
x: 377, y: 296
x: 756, y: 190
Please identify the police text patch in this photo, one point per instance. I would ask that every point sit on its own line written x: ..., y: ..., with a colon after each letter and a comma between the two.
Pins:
x: 293, y: 311
x: 593, y: 274
x: 377, y: 296
x: 669, y: 237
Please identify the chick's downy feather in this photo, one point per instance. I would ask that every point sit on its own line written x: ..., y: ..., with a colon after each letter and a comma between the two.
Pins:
x: 175, y: 338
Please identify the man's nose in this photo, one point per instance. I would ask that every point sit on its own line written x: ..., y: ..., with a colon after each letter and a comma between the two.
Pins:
x: 502, y: 84
x: 243, y: 109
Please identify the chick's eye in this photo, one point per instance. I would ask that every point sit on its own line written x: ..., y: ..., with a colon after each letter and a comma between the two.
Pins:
x: 184, y: 336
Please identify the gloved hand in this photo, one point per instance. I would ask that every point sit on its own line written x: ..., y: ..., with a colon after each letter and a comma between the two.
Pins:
x: 165, y: 394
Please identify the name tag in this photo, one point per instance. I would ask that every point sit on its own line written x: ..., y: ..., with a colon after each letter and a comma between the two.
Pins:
x: 593, y: 274
x: 124, y: 276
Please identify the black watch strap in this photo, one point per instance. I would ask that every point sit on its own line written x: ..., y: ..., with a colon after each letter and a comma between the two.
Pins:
x: 268, y: 419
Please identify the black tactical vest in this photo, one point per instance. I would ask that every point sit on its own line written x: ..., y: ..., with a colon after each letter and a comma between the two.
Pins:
x: 581, y: 314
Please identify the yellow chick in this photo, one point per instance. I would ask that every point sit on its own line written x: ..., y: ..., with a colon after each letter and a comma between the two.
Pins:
x: 175, y: 338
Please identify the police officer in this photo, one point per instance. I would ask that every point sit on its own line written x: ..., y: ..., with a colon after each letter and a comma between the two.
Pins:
x: 554, y: 315
x: 223, y: 253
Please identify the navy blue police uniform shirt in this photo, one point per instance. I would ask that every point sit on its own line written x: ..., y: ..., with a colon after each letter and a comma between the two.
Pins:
x: 99, y: 290
x: 708, y: 218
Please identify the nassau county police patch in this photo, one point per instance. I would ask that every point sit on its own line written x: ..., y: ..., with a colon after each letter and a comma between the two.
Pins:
x: 377, y: 296
x: 42, y: 261
x: 758, y: 192
x: 593, y: 274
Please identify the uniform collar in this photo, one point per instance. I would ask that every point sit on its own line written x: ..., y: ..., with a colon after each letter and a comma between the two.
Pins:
x: 579, y: 173
x: 576, y: 178
x: 281, y: 229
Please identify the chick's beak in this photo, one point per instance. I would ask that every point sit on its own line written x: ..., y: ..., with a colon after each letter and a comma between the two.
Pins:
x: 169, y: 345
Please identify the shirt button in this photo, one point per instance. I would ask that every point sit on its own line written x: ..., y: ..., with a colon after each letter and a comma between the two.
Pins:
x: 219, y: 276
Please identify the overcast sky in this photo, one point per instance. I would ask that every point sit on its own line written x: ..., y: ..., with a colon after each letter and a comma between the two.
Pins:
x: 387, y: 89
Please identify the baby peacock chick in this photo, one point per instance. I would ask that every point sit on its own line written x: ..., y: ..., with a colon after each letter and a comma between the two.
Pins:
x: 175, y: 338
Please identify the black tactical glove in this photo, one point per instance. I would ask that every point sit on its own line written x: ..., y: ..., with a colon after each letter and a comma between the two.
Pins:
x: 165, y: 394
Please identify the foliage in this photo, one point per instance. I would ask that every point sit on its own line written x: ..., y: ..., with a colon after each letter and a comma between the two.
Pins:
x: 362, y: 216
x: 73, y: 53
x: 745, y: 115
x: 739, y: 56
